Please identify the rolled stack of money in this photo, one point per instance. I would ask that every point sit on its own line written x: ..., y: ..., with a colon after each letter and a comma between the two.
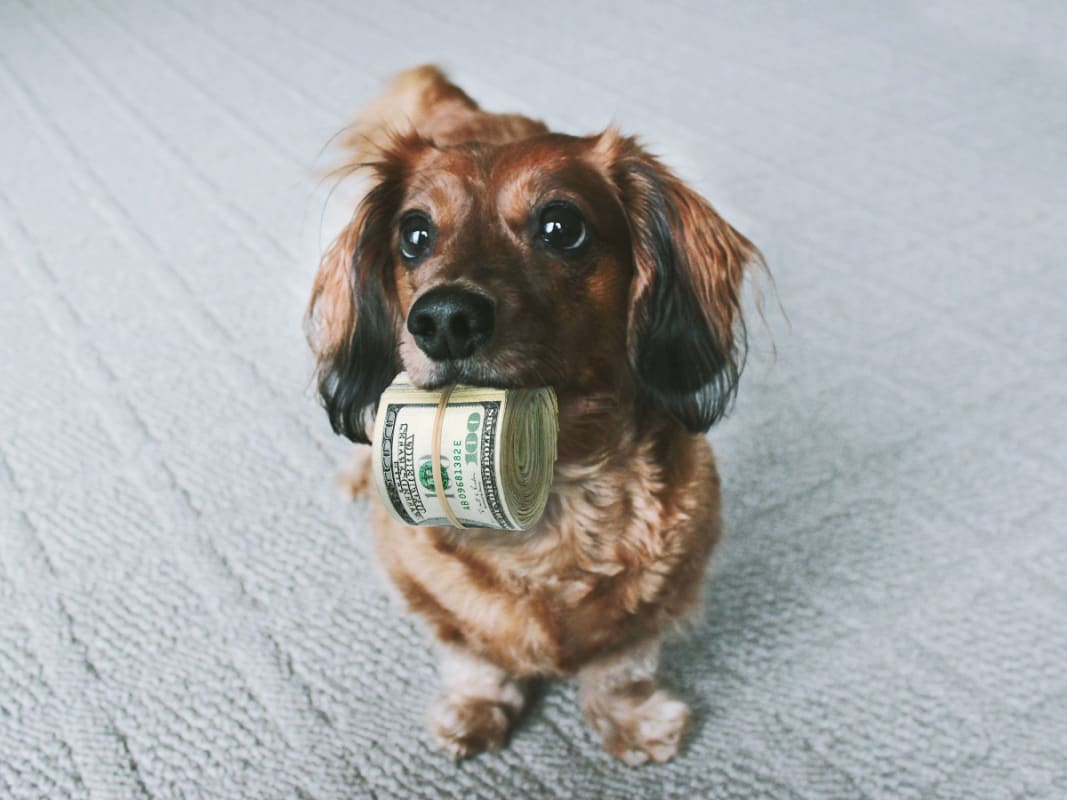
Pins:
x: 465, y: 456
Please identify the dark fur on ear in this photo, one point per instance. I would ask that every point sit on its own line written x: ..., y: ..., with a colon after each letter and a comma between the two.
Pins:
x: 351, y: 324
x: 686, y: 337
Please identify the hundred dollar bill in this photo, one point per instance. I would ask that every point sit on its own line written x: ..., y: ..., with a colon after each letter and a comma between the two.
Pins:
x: 497, y: 455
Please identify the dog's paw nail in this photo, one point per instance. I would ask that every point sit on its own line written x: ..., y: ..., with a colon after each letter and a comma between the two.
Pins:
x: 634, y: 758
x: 354, y: 478
x: 351, y: 486
x: 465, y: 726
x: 637, y: 732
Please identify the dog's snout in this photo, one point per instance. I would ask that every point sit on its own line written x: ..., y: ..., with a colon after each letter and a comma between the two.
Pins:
x: 450, y: 323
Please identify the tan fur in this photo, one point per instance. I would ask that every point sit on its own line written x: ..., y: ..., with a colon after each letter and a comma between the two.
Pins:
x: 636, y: 721
x: 423, y: 101
x: 477, y: 706
x: 618, y: 558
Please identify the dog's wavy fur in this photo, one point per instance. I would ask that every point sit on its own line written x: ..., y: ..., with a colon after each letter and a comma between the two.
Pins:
x: 642, y: 339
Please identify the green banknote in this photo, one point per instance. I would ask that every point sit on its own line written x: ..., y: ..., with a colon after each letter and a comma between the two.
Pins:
x: 497, y: 454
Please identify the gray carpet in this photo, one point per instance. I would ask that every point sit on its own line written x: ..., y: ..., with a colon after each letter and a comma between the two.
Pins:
x: 187, y: 608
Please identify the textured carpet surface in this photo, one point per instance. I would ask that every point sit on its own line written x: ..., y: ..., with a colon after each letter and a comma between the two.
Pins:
x: 188, y: 609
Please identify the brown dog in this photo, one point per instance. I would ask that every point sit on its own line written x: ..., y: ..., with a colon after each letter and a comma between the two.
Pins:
x: 490, y: 251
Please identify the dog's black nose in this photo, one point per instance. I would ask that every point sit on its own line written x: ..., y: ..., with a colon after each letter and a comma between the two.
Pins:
x: 448, y: 322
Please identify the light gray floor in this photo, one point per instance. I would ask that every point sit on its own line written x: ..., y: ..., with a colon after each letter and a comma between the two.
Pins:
x: 187, y: 609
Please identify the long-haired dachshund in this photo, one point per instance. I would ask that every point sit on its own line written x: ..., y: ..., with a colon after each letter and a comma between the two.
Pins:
x: 490, y: 251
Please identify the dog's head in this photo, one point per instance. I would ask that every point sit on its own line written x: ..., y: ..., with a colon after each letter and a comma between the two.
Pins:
x: 578, y: 263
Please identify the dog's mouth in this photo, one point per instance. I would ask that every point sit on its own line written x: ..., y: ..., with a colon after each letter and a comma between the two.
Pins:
x: 499, y: 370
x: 471, y: 372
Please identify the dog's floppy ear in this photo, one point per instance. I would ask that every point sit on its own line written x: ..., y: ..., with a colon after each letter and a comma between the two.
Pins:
x: 685, y: 335
x: 351, y: 323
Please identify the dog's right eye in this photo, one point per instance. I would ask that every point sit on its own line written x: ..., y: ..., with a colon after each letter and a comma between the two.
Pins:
x: 416, y: 237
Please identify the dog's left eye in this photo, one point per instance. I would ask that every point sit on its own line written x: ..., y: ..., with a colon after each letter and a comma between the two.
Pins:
x: 416, y: 236
x: 561, y: 227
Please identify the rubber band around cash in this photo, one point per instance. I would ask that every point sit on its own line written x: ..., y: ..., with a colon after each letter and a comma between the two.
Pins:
x: 499, y: 454
x: 435, y: 457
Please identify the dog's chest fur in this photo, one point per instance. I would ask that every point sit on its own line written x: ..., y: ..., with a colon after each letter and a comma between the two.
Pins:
x: 619, y: 555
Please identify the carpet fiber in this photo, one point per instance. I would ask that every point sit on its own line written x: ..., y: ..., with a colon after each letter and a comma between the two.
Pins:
x: 188, y: 608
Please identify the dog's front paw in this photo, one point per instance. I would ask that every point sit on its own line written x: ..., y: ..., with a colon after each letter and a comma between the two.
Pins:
x: 637, y: 728
x: 354, y: 479
x: 466, y: 726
